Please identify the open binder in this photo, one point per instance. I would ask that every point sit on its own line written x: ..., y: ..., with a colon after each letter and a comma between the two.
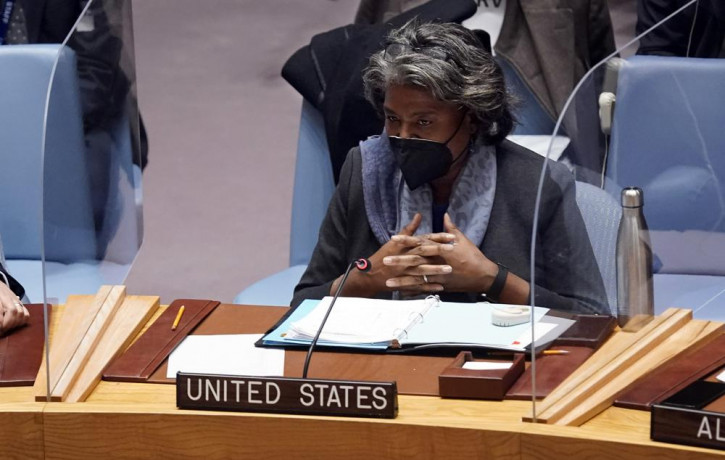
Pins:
x: 374, y: 324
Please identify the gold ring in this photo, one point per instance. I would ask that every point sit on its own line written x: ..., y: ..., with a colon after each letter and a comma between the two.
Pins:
x: 425, y: 279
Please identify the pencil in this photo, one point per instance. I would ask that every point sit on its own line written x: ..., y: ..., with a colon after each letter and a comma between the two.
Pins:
x: 555, y: 352
x: 178, y: 318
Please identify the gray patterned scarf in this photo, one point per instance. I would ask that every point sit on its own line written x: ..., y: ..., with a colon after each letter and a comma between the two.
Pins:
x: 390, y: 204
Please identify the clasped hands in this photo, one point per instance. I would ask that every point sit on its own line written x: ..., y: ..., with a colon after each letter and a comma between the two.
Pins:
x: 431, y: 263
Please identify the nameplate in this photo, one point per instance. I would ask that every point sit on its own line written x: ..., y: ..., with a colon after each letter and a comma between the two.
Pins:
x: 286, y: 395
x: 688, y: 426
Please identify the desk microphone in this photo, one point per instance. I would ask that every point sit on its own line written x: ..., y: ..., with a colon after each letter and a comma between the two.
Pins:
x: 361, y: 264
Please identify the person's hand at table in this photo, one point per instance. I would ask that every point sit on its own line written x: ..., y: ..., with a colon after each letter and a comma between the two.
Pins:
x: 414, y: 266
x: 471, y: 270
x: 419, y: 266
x: 12, y: 311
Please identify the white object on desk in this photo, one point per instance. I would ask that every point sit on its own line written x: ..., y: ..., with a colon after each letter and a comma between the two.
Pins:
x: 485, y: 366
x: 510, y: 315
x: 233, y: 354
x: 721, y: 376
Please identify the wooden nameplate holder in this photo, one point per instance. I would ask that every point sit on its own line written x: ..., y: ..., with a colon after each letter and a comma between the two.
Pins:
x: 623, y: 359
x: 696, y: 363
x: 458, y: 382
x: 581, y: 340
x: 149, y: 351
x: 90, y: 333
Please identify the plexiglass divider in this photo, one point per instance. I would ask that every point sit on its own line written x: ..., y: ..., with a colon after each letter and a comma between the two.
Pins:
x: 92, y: 158
x: 24, y: 87
x: 646, y: 122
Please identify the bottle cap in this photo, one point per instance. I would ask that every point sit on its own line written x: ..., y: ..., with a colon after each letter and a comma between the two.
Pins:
x: 632, y: 197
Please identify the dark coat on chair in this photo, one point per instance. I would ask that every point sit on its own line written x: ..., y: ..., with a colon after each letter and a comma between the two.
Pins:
x: 328, y: 73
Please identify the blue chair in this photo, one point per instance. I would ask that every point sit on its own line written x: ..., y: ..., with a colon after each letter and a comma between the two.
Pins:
x: 667, y: 138
x: 45, y: 189
x: 313, y: 189
x: 601, y: 214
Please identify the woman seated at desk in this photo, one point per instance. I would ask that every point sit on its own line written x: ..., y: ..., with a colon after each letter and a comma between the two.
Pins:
x: 440, y: 202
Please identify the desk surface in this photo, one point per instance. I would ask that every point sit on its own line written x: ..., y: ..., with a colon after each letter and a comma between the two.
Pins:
x: 136, y: 420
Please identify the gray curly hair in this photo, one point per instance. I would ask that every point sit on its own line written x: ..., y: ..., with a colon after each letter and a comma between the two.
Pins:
x: 468, y: 76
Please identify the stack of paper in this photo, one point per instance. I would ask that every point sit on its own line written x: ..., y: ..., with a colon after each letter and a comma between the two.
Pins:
x: 356, y: 320
x: 378, y: 324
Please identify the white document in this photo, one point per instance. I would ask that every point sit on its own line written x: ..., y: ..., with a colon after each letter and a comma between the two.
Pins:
x: 485, y: 366
x: 540, y: 329
x: 721, y: 376
x: 225, y: 355
x: 359, y: 320
x: 455, y: 324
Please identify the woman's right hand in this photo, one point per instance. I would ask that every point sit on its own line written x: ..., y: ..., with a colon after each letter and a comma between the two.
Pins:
x: 12, y: 311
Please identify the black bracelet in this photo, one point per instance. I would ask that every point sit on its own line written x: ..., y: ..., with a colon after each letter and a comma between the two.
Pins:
x: 494, y: 292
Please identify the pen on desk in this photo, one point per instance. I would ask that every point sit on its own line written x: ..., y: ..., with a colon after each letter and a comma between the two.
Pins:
x: 555, y: 352
x: 178, y: 318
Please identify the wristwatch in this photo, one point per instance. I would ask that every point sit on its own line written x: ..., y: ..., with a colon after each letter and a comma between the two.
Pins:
x: 494, y: 292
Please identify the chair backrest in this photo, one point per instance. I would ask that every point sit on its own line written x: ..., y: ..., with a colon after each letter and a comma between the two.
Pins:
x: 43, y: 180
x: 313, y: 185
x: 667, y: 138
x: 601, y: 214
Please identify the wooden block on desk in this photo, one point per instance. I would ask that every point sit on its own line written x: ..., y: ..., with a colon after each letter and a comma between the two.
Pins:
x: 588, y: 331
x: 89, y: 341
x: 550, y: 372
x: 689, y: 335
x: 458, y: 382
x: 604, y: 364
x: 124, y: 326
x: 675, y: 375
x: 613, y: 348
x: 77, y: 316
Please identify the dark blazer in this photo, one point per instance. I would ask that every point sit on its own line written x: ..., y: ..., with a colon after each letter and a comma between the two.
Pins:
x: 567, y: 276
x: 552, y: 44
x: 49, y: 21
x: 704, y: 20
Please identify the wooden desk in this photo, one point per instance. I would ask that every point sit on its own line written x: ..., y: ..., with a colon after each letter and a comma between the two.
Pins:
x: 134, y: 420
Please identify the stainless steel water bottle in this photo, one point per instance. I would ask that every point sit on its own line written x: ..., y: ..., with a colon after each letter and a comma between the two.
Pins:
x: 635, y: 296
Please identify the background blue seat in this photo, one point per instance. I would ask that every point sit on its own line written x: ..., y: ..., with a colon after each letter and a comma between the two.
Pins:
x: 667, y: 138
x: 313, y: 188
x: 45, y: 188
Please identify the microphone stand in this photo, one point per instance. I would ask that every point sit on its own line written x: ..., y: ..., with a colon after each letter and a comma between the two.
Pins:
x: 362, y: 265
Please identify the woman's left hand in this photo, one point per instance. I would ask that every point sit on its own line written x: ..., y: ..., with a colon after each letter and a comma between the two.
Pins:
x: 471, y: 270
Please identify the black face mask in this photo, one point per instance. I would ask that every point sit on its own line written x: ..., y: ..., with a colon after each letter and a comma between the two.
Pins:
x: 422, y: 161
